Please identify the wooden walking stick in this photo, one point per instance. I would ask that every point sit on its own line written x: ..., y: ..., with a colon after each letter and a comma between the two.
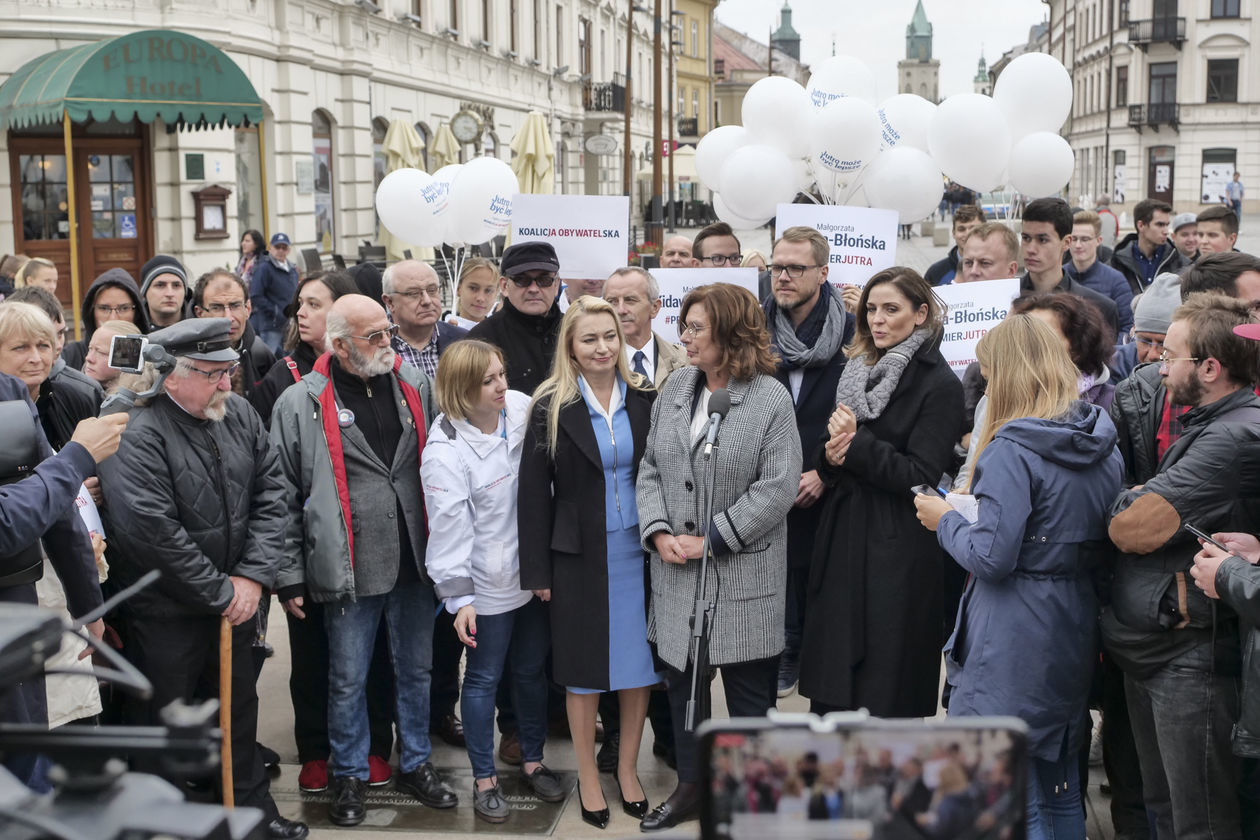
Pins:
x: 225, y: 709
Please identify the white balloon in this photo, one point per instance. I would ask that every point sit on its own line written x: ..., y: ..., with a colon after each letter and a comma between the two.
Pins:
x: 904, y: 179
x: 442, y: 230
x: 713, y: 150
x: 1041, y: 164
x: 970, y: 140
x: 733, y: 219
x: 1035, y: 93
x: 903, y: 121
x: 405, y: 202
x: 481, y: 200
x: 841, y: 75
x: 756, y: 180
x: 776, y: 112
x: 804, y: 175
x: 846, y: 136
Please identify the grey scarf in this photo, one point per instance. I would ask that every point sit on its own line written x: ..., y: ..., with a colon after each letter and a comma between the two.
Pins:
x: 866, y: 389
x: 796, y: 353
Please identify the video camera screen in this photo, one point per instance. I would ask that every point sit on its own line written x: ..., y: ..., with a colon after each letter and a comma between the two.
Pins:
x: 881, y: 782
x: 126, y: 352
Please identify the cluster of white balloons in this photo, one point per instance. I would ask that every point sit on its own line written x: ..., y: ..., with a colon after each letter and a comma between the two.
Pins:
x: 831, y: 137
x: 460, y: 204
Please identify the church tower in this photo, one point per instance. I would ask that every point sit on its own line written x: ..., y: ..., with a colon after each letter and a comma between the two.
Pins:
x: 919, y: 73
x: 981, y: 82
x: 785, y: 38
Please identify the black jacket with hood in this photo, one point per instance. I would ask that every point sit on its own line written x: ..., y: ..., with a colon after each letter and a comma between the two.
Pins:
x: 1122, y: 261
x: 75, y: 352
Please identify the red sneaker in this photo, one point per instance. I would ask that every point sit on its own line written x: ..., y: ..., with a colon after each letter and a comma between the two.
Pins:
x: 379, y: 771
x: 314, y: 776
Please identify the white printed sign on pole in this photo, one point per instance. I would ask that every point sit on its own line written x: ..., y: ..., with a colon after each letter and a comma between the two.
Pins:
x: 863, y: 240
x: 676, y: 282
x: 589, y: 232
x: 972, y: 309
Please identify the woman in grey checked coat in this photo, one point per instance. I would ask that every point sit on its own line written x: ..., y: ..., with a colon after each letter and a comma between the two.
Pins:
x: 758, y: 472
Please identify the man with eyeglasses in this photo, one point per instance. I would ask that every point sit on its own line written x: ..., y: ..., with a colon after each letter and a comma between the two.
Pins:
x: 222, y: 294
x: 413, y: 299
x: 1179, y: 651
x: 716, y: 247
x: 1085, y: 267
x: 195, y: 491
x: 350, y: 437
x: 164, y: 287
x: 527, y: 322
x: 1152, y: 313
x: 271, y: 289
x: 808, y: 329
x: 113, y: 296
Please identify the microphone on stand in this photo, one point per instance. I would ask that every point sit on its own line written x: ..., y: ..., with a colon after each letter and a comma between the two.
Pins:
x: 719, y: 405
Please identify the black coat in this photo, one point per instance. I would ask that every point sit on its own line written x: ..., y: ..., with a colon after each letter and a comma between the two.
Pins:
x: 874, y: 598
x: 279, y: 378
x: 815, y: 402
x: 65, y: 398
x: 528, y: 343
x: 564, y: 543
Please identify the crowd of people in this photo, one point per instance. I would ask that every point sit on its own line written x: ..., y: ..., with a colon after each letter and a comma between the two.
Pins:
x: 520, y: 489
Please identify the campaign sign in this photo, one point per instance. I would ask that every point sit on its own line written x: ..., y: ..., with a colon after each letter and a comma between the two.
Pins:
x: 676, y: 282
x: 589, y: 232
x: 863, y: 240
x: 972, y: 309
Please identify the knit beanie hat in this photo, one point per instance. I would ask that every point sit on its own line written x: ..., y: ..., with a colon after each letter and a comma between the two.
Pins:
x: 161, y: 264
x: 1153, y: 310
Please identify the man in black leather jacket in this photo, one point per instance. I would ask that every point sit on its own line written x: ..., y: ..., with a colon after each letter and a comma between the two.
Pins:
x: 195, y: 491
x: 1179, y: 651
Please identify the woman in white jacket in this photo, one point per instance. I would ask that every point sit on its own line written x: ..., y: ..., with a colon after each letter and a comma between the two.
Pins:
x: 469, y: 470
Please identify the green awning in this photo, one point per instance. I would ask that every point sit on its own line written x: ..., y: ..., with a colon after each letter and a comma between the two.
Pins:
x: 154, y: 73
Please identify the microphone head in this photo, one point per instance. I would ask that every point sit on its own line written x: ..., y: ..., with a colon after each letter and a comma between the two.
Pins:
x: 720, y: 402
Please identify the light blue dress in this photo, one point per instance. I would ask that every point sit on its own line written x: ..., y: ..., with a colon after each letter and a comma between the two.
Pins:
x: 629, y: 657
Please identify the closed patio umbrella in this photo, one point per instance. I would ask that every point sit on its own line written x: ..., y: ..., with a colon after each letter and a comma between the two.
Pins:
x: 534, y: 156
x: 445, y: 150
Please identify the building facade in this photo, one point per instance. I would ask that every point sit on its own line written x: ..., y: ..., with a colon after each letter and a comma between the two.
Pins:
x: 693, y: 68
x: 331, y: 75
x: 918, y: 72
x: 738, y: 62
x: 1167, y: 97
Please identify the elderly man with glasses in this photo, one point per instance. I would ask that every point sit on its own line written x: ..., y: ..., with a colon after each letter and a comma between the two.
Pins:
x: 349, y: 437
x: 413, y: 299
x: 196, y: 492
x: 525, y: 326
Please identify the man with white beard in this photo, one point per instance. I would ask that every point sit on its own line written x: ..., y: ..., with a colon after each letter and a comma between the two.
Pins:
x: 349, y: 438
x: 195, y: 491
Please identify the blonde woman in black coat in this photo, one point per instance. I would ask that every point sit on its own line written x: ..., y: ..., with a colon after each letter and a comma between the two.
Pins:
x: 579, y: 538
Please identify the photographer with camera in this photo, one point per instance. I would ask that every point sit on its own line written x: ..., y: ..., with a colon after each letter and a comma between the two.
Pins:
x: 195, y: 491
x: 40, y: 507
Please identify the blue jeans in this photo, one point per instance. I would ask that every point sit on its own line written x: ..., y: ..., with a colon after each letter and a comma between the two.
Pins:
x: 523, y: 634
x: 1182, y: 718
x: 1054, y: 800
x: 408, y: 612
x: 273, y: 339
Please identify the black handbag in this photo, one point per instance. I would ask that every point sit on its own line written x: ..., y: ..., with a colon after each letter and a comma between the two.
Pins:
x: 19, y: 456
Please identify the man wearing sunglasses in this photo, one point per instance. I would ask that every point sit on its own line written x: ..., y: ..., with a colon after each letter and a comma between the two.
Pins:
x: 196, y: 492
x: 526, y: 325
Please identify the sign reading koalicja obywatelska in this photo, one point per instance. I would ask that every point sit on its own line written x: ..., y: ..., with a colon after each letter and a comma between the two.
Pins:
x: 162, y: 65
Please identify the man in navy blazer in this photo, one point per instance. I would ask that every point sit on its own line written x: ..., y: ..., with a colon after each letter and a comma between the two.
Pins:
x: 808, y: 328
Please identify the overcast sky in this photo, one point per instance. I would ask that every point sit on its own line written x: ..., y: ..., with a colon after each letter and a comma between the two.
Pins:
x: 876, y: 32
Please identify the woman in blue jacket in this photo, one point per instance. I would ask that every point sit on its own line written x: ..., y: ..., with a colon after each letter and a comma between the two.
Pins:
x: 1025, y: 640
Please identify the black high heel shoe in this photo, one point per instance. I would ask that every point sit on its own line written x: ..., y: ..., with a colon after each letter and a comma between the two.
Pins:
x: 638, y: 809
x: 599, y: 818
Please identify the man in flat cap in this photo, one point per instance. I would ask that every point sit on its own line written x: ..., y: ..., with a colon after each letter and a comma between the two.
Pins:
x: 526, y: 325
x: 196, y: 492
